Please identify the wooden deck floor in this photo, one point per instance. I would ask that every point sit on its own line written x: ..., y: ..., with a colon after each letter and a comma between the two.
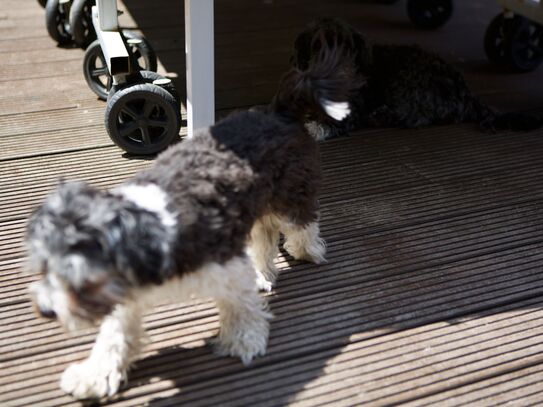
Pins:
x: 432, y: 294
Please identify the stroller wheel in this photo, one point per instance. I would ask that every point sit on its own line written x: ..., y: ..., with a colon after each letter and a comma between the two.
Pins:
x: 514, y: 43
x: 57, y: 21
x: 429, y: 14
x: 143, y: 119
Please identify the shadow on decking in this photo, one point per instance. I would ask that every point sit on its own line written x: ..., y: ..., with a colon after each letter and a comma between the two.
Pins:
x: 322, y: 310
x: 200, y: 378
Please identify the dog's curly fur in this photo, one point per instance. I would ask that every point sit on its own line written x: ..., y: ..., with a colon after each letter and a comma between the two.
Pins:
x: 398, y: 85
x: 184, y: 226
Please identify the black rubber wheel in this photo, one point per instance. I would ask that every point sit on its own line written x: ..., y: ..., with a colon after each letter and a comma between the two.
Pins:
x: 148, y: 77
x: 495, y: 40
x: 57, y: 22
x: 429, y: 14
x: 143, y: 119
x: 514, y: 43
x: 42, y: 3
x: 83, y: 32
x: 143, y: 56
x: 525, y: 46
x: 95, y: 70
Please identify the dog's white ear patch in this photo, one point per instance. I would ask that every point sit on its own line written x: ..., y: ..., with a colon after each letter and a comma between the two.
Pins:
x: 336, y: 110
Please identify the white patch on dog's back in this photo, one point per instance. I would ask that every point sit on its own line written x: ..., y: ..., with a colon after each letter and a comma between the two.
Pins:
x: 150, y: 197
x: 336, y: 110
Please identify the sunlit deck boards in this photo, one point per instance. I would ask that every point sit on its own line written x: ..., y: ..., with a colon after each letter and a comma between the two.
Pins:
x: 432, y: 294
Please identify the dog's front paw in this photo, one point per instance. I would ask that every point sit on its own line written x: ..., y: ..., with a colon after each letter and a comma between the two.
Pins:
x: 92, y: 380
x: 262, y: 283
x: 313, y: 250
x: 246, y: 349
x: 247, y: 341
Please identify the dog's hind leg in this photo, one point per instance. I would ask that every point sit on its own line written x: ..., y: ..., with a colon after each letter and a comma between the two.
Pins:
x: 325, y: 131
x: 243, y: 313
x: 262, y: 249
x: 117, y: 345
x: 298, y: 215
x: 303, y: 242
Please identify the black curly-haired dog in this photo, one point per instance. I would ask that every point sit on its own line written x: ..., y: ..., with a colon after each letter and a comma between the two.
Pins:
x: 183, y: 227
x: 398, y: 85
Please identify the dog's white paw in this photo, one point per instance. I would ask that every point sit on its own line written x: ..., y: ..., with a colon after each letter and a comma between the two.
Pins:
x: 246, y: 341
x: 262, y: 283
x: 92, y: 380
x: 247, y: 347
x: 313, y: 251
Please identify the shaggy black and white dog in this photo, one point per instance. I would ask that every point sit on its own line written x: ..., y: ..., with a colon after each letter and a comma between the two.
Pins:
x: 204, y: 221
x: 398, y: 86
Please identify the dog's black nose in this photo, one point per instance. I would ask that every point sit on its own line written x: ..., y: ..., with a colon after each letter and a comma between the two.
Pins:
x: 48, y: 313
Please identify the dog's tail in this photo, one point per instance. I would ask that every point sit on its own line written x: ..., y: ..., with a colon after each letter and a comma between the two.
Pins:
x: 319, y: 92
x: 491, y: 120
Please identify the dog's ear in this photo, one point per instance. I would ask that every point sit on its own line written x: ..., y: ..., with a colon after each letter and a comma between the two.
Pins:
x: 139, y: 243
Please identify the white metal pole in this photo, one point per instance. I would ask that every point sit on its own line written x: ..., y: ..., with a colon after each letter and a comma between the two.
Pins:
x: 199, y: 46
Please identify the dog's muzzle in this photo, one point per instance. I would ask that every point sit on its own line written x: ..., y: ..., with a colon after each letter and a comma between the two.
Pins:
x: 40, y: 294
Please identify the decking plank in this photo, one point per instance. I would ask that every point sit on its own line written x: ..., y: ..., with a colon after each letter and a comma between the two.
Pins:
x: 509, y: 388
x: 322, y: 315
x: 248, y: 387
